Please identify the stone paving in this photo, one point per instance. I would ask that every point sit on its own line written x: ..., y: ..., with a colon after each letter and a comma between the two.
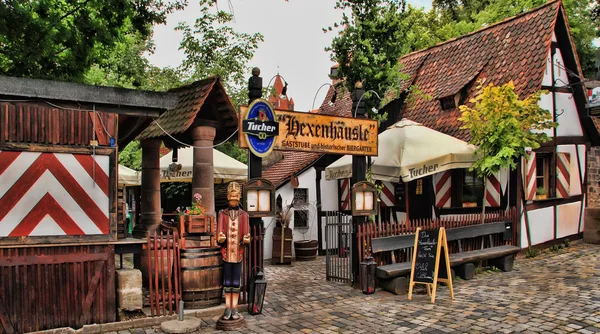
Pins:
x: 555, y: 292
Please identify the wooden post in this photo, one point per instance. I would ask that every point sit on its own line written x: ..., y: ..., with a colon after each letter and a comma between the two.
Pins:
x: 203, y: 170
x: 150, y: 193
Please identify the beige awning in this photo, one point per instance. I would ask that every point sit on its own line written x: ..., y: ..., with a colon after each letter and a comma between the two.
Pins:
x: 409, y: 151
x: 128, y: 176
x: 226, y: 168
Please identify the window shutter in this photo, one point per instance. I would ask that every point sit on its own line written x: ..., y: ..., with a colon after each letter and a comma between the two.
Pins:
x: 529, y: 176
x: 443, y: 189
x: 493, y: 191
x: 388, y: 196
x: 345, y: 195
x: 563, y: 175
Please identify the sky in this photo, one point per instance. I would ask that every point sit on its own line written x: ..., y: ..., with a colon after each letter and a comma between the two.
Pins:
x: 293, y: 44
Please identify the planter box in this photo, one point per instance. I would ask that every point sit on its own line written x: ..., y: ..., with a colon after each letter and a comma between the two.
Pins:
x: 195, y: 224
x: 469, y: 205
x: 282, y: 246
x: 541, y: 197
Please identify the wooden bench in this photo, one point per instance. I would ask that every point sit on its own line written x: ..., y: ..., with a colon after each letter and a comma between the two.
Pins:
x: 394, y: 277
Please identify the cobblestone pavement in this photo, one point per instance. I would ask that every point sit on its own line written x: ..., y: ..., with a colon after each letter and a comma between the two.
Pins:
x: 556, y: 292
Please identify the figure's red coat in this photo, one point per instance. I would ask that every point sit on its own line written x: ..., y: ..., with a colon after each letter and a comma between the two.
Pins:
x: 223, y: 225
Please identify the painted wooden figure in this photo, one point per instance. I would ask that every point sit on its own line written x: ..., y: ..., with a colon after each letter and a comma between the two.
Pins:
x: 233, y: 235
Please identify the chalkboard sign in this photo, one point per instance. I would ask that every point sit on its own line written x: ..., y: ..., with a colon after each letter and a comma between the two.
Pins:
x: 430, y: 262
x: 427, y: 245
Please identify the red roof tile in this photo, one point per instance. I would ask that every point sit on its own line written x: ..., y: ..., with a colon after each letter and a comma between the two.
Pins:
x: 514, y: 49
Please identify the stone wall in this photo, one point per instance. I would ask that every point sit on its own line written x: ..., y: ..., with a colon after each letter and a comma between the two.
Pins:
x: 593, y: 165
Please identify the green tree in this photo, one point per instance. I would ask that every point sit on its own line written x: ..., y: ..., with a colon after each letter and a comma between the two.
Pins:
x: 131, y: 156
x: 63, y: 39
x: 502, y: 126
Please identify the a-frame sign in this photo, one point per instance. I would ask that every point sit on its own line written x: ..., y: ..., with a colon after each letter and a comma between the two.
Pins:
x: 430, y: 264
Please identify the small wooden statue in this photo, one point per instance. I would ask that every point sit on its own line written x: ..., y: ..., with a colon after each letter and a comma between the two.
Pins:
x: 233, y: 232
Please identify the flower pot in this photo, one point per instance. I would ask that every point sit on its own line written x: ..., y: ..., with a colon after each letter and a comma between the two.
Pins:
x: 306, y: 250
x: 469, y: 204
x: 541, y: 197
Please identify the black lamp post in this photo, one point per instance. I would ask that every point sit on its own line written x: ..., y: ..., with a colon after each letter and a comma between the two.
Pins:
x: 256, y: 295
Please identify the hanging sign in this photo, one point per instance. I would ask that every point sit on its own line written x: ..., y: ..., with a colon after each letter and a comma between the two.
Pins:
x: 309, y: 132
x: 259, y: 127
x: 430, y: 265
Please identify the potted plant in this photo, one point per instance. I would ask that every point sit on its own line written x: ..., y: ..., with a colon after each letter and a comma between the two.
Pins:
x: 469, y: 201
x: 541, y: 193
x: 192, y: 219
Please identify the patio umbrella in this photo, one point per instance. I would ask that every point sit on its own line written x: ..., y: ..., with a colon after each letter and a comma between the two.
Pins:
x: 409, y: 151
x: 128, y: 176
x: 225, y: 167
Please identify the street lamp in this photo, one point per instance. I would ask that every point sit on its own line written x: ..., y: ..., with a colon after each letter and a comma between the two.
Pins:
x: 283, y: 91
x: 357, y: 96
x: 256, y: 293
x: 333, y: 98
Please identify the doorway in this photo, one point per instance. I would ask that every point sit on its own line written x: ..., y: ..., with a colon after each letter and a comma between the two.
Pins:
x: 420, y: 198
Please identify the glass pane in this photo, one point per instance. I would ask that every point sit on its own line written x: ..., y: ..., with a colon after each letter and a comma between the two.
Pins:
x: 540, y: 164
x: 472, y: 188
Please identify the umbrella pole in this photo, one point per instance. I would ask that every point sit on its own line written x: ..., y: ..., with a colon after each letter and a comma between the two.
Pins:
x: 406, y: 195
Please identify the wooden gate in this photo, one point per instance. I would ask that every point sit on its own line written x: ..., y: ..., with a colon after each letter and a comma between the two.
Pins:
x: 58, y: 286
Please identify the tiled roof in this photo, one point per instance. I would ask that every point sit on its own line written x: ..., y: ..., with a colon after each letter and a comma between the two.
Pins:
x: 295, y: 162
x: 191, y: 100
x: 514, y: 49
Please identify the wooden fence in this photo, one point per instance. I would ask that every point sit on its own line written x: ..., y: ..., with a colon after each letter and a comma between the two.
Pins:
x: 164, y: 264
x: 371, y: 230
x: 59, y: 286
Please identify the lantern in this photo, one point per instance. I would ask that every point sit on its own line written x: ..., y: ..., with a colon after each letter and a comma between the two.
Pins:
x: 256, y: 293
x: 367, y: 274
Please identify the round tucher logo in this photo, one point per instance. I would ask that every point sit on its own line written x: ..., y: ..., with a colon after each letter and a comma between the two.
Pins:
x: 260, y: 127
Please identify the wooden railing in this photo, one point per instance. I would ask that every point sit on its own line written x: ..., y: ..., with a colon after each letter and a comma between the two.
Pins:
x: 370, y: 230
x: 164, y: 272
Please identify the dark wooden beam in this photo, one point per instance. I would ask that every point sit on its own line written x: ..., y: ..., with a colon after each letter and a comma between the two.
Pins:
x: 26, y: 147
x: 553, y: 201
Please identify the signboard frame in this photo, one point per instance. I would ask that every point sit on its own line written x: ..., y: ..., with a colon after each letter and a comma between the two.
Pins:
x: 310, y: 133
x: 259, y: 188
x: 442, y: 241
x: 259, y: 127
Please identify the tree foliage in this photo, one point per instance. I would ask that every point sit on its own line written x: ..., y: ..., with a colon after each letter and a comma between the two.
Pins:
x: 502, y: 126
x: 63, y: 39
x: 131, y: 156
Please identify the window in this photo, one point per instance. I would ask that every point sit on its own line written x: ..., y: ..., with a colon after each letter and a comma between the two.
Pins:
x: 472, y: 188
x: 300, y: 196
x: 300, y: 219
x: 448, y: 103
x: 543, y: 162
x: 300, y: 208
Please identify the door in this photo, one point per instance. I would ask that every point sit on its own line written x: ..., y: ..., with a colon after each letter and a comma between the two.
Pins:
x: 420, y: 198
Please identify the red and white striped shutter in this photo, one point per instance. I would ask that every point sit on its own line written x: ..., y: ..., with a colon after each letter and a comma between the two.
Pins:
x: 388, y: 197
x: 443, y: 189
x: 563, y: 175
x: 530, y: 176
x: 493, y: 190
x: 46, y: 194
x: 345, y: 192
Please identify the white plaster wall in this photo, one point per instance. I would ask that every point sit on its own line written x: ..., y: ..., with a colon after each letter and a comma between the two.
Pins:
x: 523, y: 233
x: 575, y: 185
x: 554, y: 37
x: 329, y: 194
x: 305, y: 180
x: 560, y: 75
x: 546, y: 103
x: 547, y: 81
x: 568, y: 219
x: 541, y: 225
x: 567, y: 116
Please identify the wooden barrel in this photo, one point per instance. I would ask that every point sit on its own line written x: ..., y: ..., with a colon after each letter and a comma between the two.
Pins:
x: 201, y: 277
x: 306, y: 250
x: 591, y: 226
x: 156, y: 258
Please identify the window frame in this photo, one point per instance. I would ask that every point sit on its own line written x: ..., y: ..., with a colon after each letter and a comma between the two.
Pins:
x: 457, y: 189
